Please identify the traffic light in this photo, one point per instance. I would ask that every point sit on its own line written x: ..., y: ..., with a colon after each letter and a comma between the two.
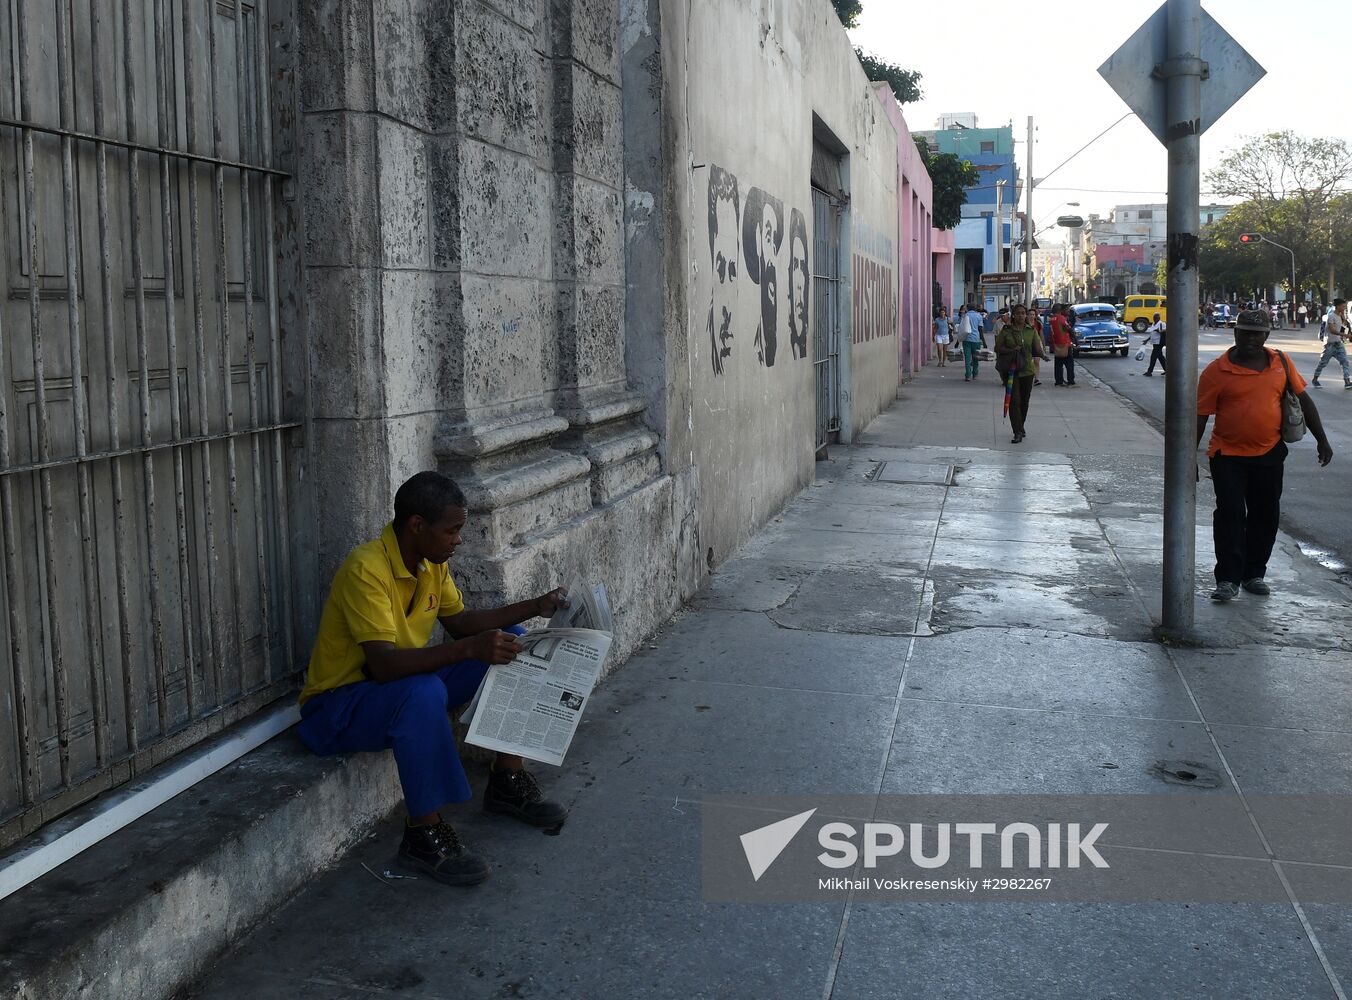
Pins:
x: 1250, y: 238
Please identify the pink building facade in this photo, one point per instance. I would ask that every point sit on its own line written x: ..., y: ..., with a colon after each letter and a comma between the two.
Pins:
x: 1107, y: 255
x: 943, y: 246
x: 915, y: 244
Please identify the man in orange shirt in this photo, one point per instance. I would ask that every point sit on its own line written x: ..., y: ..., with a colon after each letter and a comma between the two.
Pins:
x: 1243, y: 388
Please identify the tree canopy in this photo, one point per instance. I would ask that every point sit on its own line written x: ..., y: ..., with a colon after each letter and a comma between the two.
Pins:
x: 905, y: 83
x: 848, y: 11
x: 951, y: 176
x: 1291, y: 191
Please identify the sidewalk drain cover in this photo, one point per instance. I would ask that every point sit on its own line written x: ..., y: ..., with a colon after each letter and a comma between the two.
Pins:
x: 1186, y: 772
x: 914, y: 472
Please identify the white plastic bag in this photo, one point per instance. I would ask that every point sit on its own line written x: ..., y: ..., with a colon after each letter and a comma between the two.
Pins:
x: 1140, y: 354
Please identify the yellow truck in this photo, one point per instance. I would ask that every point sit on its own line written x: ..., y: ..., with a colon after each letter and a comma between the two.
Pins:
x: 1138, y: 311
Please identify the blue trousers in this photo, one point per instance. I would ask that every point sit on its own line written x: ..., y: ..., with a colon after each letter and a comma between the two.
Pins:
x: 1334, y: 351
x: 407, y: 716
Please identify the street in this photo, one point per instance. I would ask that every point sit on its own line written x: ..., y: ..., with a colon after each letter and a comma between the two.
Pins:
x: 1310, y: 492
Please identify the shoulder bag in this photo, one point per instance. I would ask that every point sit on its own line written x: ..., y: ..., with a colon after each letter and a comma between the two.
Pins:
x: 1293, y: 417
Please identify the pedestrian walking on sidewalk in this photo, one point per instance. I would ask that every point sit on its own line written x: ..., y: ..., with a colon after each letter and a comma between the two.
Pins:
x: 942, y: 336
x: 1156, y: 337
x: 1063, y: 347
x: 1016, y: 349
x: 375, y: 684
x: 1243, y: 389
x: 1336, y: 345
x: 973, y: 340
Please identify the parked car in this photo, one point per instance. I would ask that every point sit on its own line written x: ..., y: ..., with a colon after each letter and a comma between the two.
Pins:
x: 1225, y: 315
x: 1138, y: 311
x: 1097, y: 329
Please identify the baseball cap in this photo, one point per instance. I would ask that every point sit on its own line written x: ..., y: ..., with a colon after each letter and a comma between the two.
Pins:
x: 1256, y: 320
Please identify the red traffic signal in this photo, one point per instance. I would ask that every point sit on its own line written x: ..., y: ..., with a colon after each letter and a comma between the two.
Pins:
x: 1250, y: 238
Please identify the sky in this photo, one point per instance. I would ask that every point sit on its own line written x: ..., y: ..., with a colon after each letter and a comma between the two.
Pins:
x: 1005, y: 62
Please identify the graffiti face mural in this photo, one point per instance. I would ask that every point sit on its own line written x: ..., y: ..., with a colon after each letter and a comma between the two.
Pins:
x: 723, y: 254
x: 798, y: 284
x: 762, y: 233
x: 749, y: 240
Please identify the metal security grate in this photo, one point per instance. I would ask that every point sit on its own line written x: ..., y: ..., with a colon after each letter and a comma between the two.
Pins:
x: 143, y: 494
x: 826, y: 312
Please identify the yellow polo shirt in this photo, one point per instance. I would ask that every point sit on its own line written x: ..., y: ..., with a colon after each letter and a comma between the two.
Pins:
x: 374, y: 598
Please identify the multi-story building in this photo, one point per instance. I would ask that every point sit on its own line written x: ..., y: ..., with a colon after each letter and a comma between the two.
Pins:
x: 991, y: 223
x: 1129, y: 244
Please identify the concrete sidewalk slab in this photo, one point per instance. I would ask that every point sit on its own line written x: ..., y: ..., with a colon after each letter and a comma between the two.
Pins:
x: 988, y: 631
x: 1007, y: 951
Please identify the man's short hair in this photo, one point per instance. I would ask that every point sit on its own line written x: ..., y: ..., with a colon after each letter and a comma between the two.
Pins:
x: 1256, y: 320
x: 427, y: 494
x: 1339, y: 302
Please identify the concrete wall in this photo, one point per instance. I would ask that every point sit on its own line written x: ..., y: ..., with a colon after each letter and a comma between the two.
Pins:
x: 724, y: 97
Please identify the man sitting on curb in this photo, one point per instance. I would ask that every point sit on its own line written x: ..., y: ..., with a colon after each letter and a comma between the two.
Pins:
x: 375, y: 684
x: 1243, y: 388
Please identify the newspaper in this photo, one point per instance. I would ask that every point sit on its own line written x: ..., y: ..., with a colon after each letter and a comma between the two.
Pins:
x: 587, y: 608
x: 531, y: 706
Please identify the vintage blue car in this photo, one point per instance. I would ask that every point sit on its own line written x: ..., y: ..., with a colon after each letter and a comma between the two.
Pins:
x: 1097, y: 329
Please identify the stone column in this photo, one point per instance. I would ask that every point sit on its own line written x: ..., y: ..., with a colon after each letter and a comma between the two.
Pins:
x: 465, y: 279
x: 376, y: 312
x: 603, y: 414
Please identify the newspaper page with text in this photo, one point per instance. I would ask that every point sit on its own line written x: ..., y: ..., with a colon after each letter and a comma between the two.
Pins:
x: 531, y: 706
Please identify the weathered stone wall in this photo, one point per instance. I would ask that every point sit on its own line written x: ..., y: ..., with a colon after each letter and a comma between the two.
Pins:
x: 510, y: 274
x: 722, y: 96
x: 462, y: 175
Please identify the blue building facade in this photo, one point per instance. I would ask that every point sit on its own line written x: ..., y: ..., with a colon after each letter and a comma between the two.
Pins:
x: 991, y: 222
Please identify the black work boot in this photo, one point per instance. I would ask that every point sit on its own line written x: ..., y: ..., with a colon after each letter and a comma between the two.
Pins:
x: 516, y: 793
x: 435, y: 850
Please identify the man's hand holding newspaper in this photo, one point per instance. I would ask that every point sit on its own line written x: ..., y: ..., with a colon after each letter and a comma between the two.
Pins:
x: 531, y: 705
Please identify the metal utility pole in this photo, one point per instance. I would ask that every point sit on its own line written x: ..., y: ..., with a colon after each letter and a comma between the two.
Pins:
x: 1159, y: 72
x: 1028, y: 220
x: 999, y: 226
x: 1182, y: 72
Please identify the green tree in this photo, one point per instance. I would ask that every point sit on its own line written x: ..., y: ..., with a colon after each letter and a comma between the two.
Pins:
x: 1290, y: 185
x: 951, y: 177
x: 905, y: 83
x: 1231, y: 266
x: 848, y: 11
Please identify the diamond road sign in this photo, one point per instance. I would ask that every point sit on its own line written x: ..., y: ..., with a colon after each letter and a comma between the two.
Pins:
x: 1231, y: 72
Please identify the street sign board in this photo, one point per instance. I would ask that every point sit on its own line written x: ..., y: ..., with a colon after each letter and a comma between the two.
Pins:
x: 1003, y: 278
x: 1231, y: 72
x: 1070, y: 221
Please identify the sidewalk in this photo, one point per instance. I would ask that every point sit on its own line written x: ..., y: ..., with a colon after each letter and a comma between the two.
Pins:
x: 941, y: 612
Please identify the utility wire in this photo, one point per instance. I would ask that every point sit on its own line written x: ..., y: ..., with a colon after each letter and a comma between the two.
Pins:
x: 1077, y: 152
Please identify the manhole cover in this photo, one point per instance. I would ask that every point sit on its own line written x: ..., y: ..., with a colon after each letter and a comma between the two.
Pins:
x: 915, y: 472
x: 1186, y: 772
